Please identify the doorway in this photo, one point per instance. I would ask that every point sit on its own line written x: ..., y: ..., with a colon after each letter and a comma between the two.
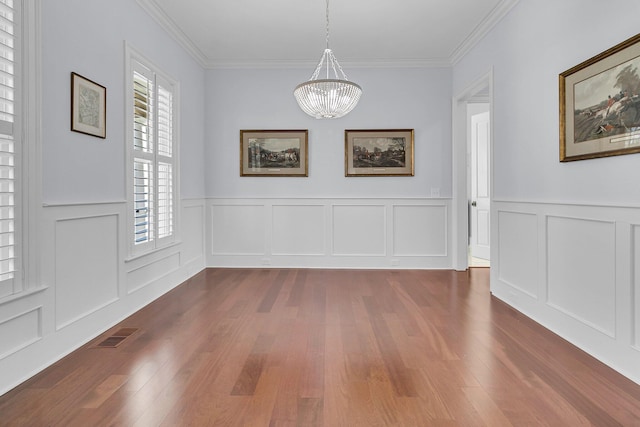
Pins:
x: 479, y: 92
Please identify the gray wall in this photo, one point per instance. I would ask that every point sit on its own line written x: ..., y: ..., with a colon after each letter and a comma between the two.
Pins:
x: 418, y: 99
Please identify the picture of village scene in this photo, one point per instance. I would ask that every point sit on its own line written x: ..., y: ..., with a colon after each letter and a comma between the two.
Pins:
x: 274, y: 153
x: 608, y: 104
x: 383, y: 152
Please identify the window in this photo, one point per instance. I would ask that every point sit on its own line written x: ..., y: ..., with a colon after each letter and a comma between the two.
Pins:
x: 17, y: 142
x: 152, y: 153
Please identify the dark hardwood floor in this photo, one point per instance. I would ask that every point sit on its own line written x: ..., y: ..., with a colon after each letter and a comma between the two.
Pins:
x: 294, y: 347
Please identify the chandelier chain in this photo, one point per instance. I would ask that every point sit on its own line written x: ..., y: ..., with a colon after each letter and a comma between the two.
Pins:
x: 327, y: 13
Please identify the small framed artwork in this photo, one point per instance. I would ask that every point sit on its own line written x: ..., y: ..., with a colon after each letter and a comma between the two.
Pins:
x: 274, y: 152
x: 384, y: 152
x: 88, y: 106
x: 600, y: 104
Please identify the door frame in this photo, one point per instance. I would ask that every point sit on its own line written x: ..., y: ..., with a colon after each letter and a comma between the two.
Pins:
x: 481, y: 90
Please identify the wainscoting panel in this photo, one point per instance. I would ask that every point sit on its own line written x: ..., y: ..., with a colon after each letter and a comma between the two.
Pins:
x: 329, y: 233
x: 584, y: 262
x: 518, y: 255
x: 86, y: 260
x: 581, y: 261
x: 238, y: 229
x: 635, y: 285
x: 20, y: 331
x: 152, y: 271
x: 192, y: 232
x: 420, y: 230
x: 359, y: 230
x: 291, y: 234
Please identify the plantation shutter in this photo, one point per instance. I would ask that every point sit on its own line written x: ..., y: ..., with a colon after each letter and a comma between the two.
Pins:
x: 165, y: 166
x: 7, y: 148
x: 143, y: 121
x: 153, y: 158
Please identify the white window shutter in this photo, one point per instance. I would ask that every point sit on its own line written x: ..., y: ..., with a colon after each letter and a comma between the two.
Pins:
x: 7, y: 144
x: 153, y: 158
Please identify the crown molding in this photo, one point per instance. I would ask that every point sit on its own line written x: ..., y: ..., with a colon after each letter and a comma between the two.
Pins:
x: 173, y: 30
x: 309, y: 64
x: 499, y: 12
x: 487, y: 24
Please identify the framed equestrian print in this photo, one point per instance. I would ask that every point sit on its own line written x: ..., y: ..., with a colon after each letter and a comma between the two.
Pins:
x: 600, y: 104
x: 378, y: 152
x: 274, y: 152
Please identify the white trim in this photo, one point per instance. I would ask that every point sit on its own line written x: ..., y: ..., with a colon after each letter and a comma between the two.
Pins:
x: 459, y: 211
x: 300, y: 64
x: 173, y: 30
x: 165, y: 21
x: 131, y: 55
x: 24, y: 294
x: 28, y: 132
x: 496, y: 15
x: 233, y: 244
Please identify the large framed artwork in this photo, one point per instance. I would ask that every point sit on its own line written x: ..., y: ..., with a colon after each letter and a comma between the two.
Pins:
x: 274, y: 152
x: 600, y: 104
x: 378, y: 152
x: 88, y: 106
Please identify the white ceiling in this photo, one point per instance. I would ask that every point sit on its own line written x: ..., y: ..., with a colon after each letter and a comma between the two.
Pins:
x: 258, y: 33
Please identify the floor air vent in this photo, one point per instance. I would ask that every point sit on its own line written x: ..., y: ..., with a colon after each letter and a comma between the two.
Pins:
x: 117, y: 338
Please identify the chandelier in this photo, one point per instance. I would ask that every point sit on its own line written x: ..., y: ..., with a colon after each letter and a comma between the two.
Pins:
x: 327, y: 98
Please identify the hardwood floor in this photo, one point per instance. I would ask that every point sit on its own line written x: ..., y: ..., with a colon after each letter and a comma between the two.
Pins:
x: 327, y: 348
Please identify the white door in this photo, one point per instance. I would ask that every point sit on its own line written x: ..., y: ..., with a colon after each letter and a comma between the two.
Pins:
x: 479, y: 232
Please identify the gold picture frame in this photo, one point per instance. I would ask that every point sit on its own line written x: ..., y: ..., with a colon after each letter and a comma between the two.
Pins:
x: 378, y: 152
x: 88, y: 106
x: 600, y: 104
x: 274, y: 153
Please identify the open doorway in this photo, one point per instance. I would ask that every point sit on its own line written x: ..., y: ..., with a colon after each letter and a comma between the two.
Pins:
x: 478, y: 134
x: 464, y: 102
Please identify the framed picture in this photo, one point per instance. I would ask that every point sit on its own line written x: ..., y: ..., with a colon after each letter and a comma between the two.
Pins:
x: 274, y: 152
x: 88, y: 106
x: 600, y: 104
x: 384, y: 152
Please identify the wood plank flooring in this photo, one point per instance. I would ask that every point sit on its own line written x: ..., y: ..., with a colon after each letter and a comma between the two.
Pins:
x: 295, y: 347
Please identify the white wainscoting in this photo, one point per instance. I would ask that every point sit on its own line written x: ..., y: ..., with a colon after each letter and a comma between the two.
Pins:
x: 329, y: 233
x: 86, y: 259
x: 574, y: 269
x: 87, y: 284
x: 359, y: 230
x: 290, y: 222
x: 18, y: 331
x: 635, y: 285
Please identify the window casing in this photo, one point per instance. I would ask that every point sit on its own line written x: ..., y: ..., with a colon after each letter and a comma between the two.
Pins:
x: 18, y: 145
x: 152, y: 155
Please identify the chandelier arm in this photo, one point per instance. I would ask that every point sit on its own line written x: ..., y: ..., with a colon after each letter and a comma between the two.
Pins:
x: 337, y: 67
x: 316, y: 73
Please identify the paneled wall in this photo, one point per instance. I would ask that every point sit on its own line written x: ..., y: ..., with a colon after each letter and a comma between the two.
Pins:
x: 329, y: 233
x: 89, y: 284
x: 576, y: 270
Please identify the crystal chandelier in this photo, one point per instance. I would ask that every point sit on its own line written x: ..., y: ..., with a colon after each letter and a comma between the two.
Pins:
x: 327, y: 98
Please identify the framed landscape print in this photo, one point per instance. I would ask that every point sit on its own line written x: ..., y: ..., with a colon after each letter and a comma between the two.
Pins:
x: 382, y: 152
x: 274, y: 152
x: 600, y: 104
x: 88, y: 107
